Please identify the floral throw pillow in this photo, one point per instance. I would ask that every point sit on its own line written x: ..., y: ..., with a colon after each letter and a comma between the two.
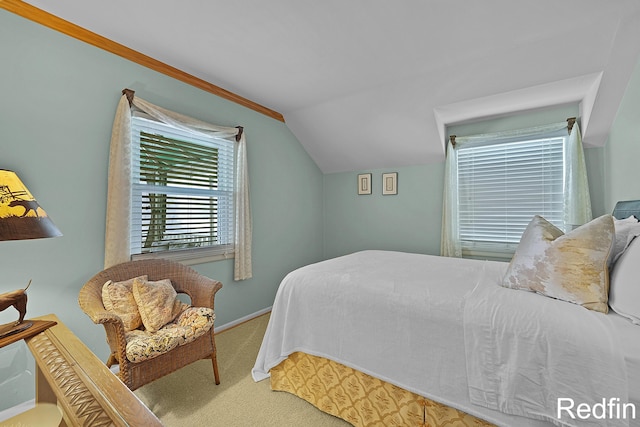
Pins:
x: 117, y: 297
x: 157, y: 302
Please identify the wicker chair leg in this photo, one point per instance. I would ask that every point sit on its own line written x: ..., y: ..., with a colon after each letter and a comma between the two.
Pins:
x: 113, y: 360
x: 214, y: 360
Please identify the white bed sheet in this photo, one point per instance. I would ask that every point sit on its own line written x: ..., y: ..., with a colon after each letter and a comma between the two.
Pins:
x: 396, y: 316
x: 629, y: 339
x: 526, y: 351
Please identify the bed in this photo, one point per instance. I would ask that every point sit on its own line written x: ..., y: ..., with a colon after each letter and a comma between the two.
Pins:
x: 393, y: 338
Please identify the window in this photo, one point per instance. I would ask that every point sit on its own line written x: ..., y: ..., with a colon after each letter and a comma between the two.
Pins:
x: 182, y: 192
x: 502, y: 183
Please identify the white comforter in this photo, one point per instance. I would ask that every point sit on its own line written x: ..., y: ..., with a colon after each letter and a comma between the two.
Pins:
x: 524, y: 352
x: 399, y: 317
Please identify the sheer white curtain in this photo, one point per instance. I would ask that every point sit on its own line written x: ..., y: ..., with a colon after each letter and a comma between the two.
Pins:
x: 243, y: 228
x: 577, y: 202
x: 117, y: 241
x: 449, y: 242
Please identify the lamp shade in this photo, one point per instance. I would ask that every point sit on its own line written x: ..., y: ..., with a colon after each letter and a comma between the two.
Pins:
x: 21, y: 217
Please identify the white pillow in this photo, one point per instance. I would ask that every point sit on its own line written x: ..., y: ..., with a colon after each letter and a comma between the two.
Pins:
x: 626, y: 230
x: 624, y: 289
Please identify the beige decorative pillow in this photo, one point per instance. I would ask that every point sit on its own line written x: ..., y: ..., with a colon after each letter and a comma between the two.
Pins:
x: 157, y: 302
x: 572, y: 267
x: 117, y: 297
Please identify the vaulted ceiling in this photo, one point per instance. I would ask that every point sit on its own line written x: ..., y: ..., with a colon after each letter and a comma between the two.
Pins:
x: 367, y: 84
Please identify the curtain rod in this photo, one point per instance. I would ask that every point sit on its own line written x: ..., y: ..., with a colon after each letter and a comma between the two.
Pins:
x: 130, y: 93
x: 570, y: 122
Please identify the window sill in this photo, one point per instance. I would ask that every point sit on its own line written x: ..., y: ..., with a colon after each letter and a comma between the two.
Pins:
x: 487, y: 255
x: 188, y: 257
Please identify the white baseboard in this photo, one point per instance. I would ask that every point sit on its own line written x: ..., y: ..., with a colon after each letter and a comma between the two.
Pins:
x: 18, y: 409
x: 236, y: 322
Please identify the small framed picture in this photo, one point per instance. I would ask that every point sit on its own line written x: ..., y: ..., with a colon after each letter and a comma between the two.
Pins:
x: 364, y: 183
x: 390, y: 183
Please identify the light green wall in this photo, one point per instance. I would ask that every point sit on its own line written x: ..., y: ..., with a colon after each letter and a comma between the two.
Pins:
x: 409, y: 221
x: 622, y: 152
x: 57, y: 102
x: 516, y: 121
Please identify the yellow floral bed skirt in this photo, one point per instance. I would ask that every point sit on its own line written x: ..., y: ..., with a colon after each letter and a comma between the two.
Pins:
x: 359, y: 398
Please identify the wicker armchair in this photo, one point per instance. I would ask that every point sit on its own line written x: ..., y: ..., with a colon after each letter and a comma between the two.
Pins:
x: 201, y: 291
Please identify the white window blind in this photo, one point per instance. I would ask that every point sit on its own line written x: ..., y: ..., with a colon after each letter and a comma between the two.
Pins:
x: 182, y: 190
x: 501, y: 186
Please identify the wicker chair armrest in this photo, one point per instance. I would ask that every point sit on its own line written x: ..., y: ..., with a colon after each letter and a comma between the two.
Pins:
x: 114, y: 329
x: 201, y: 290
x: 90, y: 301
x: 203, y: 295
x: 105, y: 316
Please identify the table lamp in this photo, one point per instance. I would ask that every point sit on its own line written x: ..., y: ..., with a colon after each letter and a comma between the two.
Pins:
x: 21, y: 218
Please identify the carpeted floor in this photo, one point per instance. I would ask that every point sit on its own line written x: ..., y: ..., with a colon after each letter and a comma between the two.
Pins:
x: 189, y: 397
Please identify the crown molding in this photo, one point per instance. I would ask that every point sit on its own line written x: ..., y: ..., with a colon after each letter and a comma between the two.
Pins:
x: 53, y: 22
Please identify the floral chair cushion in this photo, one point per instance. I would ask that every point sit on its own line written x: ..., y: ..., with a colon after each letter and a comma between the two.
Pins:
x: 189, y: 325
